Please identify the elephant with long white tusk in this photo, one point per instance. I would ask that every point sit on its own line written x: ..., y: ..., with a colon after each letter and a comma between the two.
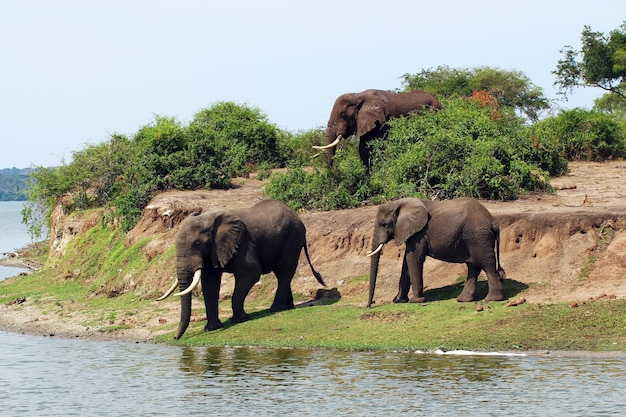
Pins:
x: 365, y: 115
x: 268, y: 237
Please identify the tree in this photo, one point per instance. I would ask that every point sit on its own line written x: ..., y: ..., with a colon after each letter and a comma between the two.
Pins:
x: 239, y: 136
x: 612, y: 104
x: 510, y: 88
x: 601, y: 62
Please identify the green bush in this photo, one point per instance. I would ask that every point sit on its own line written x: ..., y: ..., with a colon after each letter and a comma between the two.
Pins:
x: 221, y: 142
x: 345, y: 185
x: 584, y: 135
x: 239, y: 137
x: 465, y: 149
x: 470, y: 148
x: 297, y: 148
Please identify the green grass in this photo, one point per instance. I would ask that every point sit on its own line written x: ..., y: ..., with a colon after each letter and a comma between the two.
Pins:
x: 346, y: 324
x: 592, y: 326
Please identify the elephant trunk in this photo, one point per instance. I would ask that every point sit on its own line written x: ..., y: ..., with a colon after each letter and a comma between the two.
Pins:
x: 375, y: 258
x: 184, y: 280
x: 185, y: 314
x: 332, y: 139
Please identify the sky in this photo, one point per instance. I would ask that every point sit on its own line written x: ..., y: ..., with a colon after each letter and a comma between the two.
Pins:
x: 74, y: 72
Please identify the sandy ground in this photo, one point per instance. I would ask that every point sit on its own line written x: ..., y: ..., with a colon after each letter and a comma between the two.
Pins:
x: 569, y: 247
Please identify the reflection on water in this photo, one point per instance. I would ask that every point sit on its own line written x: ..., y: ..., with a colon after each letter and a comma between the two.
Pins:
x: 54, y: 377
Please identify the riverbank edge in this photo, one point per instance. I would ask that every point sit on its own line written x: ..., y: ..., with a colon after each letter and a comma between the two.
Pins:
x: 54, y: 328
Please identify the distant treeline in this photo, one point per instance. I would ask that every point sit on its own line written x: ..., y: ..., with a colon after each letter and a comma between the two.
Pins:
x: 13, y: 184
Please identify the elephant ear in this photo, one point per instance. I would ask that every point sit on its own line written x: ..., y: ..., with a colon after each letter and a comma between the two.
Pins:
x: 412, y: 218
x: 228, y: 234
x: 372, y: 111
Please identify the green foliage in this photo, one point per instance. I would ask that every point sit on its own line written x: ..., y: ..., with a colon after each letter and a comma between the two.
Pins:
x: 345, y: 185
x: 237, y: 137
x: 470, y: 148
x: 601, y: 62
x: 612, y: 104
x: 584, y: 135
x: 297, y: 147
x: 466, y: 149
x: 221, y: 142
x: 462, y: 150
x: 511, y: 88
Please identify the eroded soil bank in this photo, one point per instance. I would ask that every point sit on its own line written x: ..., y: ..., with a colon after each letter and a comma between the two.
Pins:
x: 570, y: 246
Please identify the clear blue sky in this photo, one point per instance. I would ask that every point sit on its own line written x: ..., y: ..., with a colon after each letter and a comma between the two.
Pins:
x: 74, y: 72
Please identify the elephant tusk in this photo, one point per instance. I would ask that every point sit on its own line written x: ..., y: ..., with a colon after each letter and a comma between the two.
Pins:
x: 316, y: 155
x: 194, y: 284
x: 375, y: 251
x: 168, y: 292
x: 330, y: 145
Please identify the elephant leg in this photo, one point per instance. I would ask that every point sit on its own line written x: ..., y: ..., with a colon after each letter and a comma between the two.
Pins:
x: 283, y: 300
x: 211, y: 292
x: 469, y: 290
x: 404, y: 285
x: 496, y: 292
x: 243, y: 285
x: 364, y: 153
x: 415, y: 263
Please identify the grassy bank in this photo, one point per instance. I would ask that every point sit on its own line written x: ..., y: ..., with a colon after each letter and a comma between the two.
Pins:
x: 108, y: 287
x: 345, y: 324
x: 593, y: 326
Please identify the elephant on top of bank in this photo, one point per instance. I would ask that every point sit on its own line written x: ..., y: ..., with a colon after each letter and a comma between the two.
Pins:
x: 365, y: 115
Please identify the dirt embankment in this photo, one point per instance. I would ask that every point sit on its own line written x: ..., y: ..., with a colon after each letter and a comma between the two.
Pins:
x: 568, y: 246
x: 565, y: 247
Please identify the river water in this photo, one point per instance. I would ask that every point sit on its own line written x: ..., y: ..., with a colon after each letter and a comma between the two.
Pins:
x: 47, y: 376
x: 13, y: 234
x: 43, y: 376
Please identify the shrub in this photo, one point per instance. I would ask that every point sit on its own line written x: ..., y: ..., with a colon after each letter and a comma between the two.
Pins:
x: 584, y: 135
x: 345, y: 185
x: 297, y: 148
x: 222, y: 141
x: 239, y: 136
x: 466, y: 149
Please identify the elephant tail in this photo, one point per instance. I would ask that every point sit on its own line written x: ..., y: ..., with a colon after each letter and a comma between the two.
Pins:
x: 496, y: 232
x: 317, y: 275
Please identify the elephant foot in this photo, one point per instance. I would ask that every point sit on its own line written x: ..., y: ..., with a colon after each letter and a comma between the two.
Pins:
x: 400, y: 299
x: 239, y: 318
x: 417, y: 299
x: 280, y: 307
x: 465, y: 298
x: 495, y: 296
x: 213, y: 325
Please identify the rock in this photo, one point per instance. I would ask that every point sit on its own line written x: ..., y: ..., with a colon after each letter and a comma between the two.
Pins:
x: 323, y: 293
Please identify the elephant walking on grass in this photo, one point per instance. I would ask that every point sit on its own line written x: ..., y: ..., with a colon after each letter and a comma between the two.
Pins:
x: 365, y: 115
x: 459, y: 231
x: 268, y: 237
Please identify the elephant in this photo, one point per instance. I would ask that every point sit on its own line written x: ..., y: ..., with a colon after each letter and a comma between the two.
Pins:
x: 460, y: 231
x: 365, y: 115
x: 267, y: 237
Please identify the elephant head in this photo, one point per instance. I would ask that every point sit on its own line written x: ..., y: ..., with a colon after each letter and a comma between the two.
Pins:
x: 364, y: 115
x: 204, y: 242
x: 397, y: 220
